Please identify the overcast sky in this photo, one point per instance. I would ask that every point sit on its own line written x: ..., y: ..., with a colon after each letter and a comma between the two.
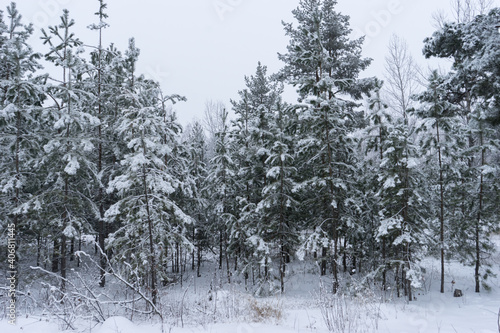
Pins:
x: 202, y: 49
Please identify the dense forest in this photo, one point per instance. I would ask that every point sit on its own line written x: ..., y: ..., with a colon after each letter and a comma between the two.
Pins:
x: 364, y: 176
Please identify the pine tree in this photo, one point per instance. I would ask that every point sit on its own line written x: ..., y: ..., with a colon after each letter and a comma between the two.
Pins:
x: 403, y: 216
x: 99, y: 63
x: 197, y: 205
x: 375, y: 143
x: 21, y: 96
x: 150, y: 220
x: 277, y: 196
x: 222, y: 180
x: 252, y: 134
x: 440, y: 134
x: 66, y: 159
x: 324, y: 64
x: 178, y: 163
x: 473, y: 86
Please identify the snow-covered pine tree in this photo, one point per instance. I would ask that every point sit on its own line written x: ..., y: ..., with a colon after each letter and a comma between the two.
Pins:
x: 324, y: 64
x: 278, y: 200
x: 68, y: 169
x: 109, y: 68
x: 21, y: 96
x: 441, y: 143
x: 403, y: 215
x: 223, y: 190
x: 197, y: 204
x: 150, y: 220
x: 473, y: 85
x: 253, y: 139
x: 401, y: 208
x: 98, y: 84
x: 179, y: 165
x: 373, y: 145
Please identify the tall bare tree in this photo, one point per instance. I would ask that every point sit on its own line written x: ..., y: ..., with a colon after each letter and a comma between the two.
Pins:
x: 463, y: 11
x: 402, y: 76
x: 212, y: 122
x: 402, y: 82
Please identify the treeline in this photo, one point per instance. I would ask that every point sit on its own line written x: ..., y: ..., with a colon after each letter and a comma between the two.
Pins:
x: 362, y: 177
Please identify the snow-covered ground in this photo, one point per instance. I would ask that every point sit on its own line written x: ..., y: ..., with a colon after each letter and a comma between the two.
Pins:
x: 229, y: 309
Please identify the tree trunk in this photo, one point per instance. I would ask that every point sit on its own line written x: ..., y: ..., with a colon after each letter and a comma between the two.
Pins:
x: 100, y: 195
x: 228, y: 268
x: 398, y: 287
x: 38, y: 249
x: 56, y: 254
x: 193, y: 252
x: 79, y: 249
x: 72, y: 249
x: 384, y: 262
x: 323, y: 260
x: 344, y: 256
x: 154, y: 291
x: 221, y: 249
x: 479, y: 216
x: 441, y: 212
x: 63, y: 262
x: 198, y: 263
x: 282, y: 267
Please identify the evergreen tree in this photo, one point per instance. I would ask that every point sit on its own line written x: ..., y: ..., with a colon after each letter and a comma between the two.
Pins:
x: 277, y: 196
x: 325, y: 64
x: 472, y: 85
x: 69, y: 170
x: 104, y: 121
x: 403, y: 216
x: 21, y: 96
x: 198, y: 204
x: 222, y: 180
x: 178, y: 163
x: 374, y: 144
x: 151, y: 220
x: 252, y: 135
x: 440, y: 134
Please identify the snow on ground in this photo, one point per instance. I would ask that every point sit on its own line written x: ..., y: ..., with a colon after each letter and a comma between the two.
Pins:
x: 298, y: 310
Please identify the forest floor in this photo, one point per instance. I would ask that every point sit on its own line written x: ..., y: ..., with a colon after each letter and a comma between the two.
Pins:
x: 211, y: 304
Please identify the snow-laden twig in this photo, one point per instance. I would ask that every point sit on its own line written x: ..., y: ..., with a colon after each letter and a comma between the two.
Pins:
x: 499, y: 320
x: 182, y: 304
x: 112, y: 272
x: 69, y: 305
x: 346, y: 314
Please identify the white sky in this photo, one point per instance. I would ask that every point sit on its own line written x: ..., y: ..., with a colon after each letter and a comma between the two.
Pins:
x: 203, y: 48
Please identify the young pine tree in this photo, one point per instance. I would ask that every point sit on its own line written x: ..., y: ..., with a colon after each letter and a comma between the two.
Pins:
x: 474, y: 48
x: 441, y: 142
x: 21, y: 96
x: 68, y: 167
x: 150, y: 220
x: 324, y: 64
x: 255, y: 116
x: 278, y: 200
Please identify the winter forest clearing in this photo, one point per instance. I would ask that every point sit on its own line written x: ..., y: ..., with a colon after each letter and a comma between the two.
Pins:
x: 366, y: 205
